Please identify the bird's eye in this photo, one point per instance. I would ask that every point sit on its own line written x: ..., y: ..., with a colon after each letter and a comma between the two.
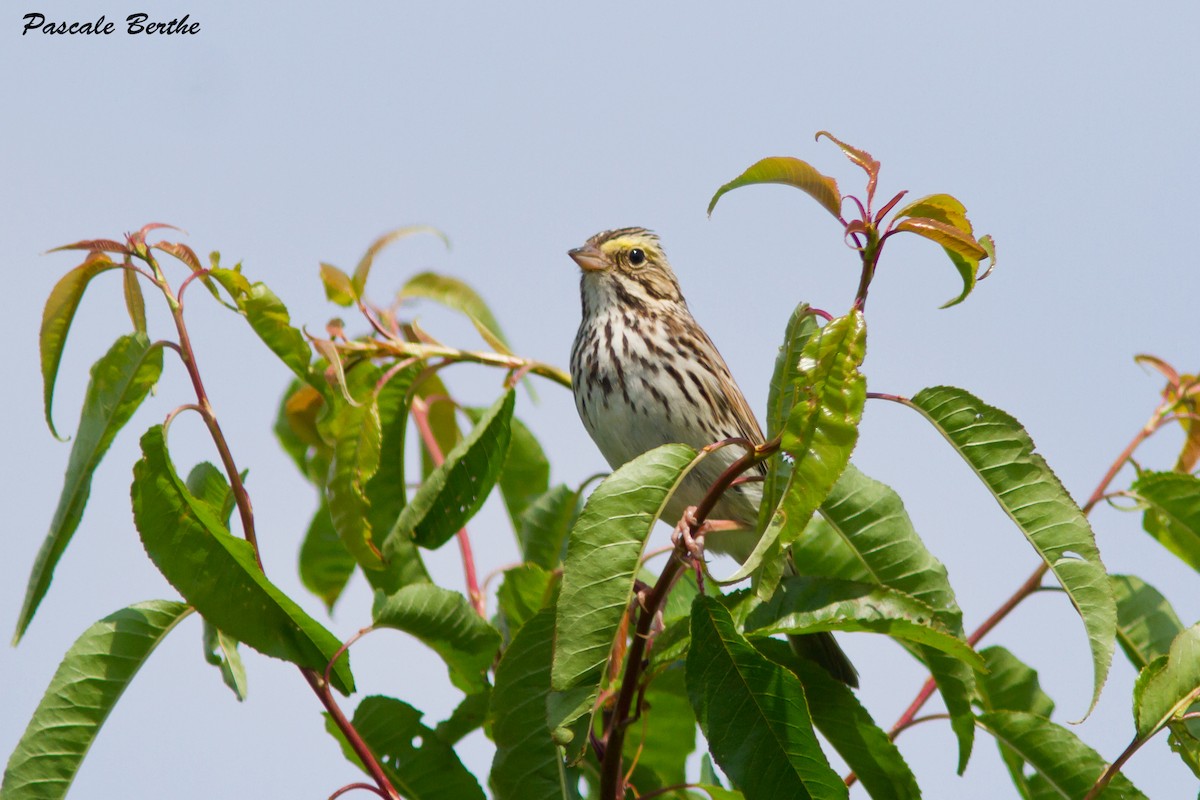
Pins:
x: 637, y: 256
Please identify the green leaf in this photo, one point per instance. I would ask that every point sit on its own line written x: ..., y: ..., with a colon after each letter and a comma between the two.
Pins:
x: 1146, y: 622
x: 753, y: 713
x: 821, y: 432
x: 811, y: 605
x: 457, y: 295
x: 356, y: 436
x: 1011, y: 685
x: 664, y: 735
x: 545, y: 525
x: 417, y: 762
x: 603, y: 557
x: 338, y: 286
x: 85, y: 688
x: 944, y: 208
x: 1168, y: 686
x: 325, y: 563
x: 1172, y: 502
x: 445, y: 621
x: 791, y: 172
x: 1001, y: 453
x: 119, y: 383
x: 847, y: 725
x: 442, y: 420
x: 863, y: 533
x: 269, y: 318
x: 217, y: 573
x: 455, y: 491
x: 135, y: 302
x: 1068, y: 765
x: 525, y: 475
x: 781, y: 398
x: 468, y: 716
x: 359, y: 281
x: 221, y: 651
x: 525, y: 590
x: 527, y: 765
x: 57, y: 316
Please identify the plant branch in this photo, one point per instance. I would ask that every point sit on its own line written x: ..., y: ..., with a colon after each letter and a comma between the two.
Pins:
x: 370, y: 763
x: 420, y: 415
x: 611, y: 778
x: 423, y: 351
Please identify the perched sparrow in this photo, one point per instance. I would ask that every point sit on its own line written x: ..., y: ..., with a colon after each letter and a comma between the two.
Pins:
x: 646, y: 374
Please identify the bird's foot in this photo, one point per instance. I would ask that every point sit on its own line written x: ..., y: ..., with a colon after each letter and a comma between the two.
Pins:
x: 689, y: 537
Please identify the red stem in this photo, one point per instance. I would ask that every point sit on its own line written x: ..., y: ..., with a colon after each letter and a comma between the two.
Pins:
x: 420, y: 415
x: 351, y: 733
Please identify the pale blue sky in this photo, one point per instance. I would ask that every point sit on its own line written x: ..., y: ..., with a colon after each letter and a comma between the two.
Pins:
x: 288, y: 134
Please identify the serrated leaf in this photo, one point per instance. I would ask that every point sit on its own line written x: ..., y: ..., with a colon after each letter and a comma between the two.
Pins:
x: 356, y: 439
x: 458, y: 296
x: 863, y: 533
x: 119, y: 383
x: 524, y: 591
x: 821, y: 432
x: 1172, y: 502
x: 1009, y: 684
x: 419, y: 764
x: 339, y: 288
x: 525, y: 475
x: 846, y: 724
x: 1068, y: 765
x: 468, y: 716
x: 753, y: 713
x: 455, y: 491
x: 1172, y: 685
x: 791, y: 172
x: 325, y: 565
x: 1001, y: 453
x: 527, y: 765
x: 545, y: 525
x: 781, y: 398
x: 221, y: 651
x: 269, y: 318
x: 1146, y: 622
x: 216, y: 572
x: 447, y: 623
x: 857, y: 156
x: 359, y: 281
x: 57, y: 315
x: 812, y: 605
x: 85, y: 688
x: 603, y: 557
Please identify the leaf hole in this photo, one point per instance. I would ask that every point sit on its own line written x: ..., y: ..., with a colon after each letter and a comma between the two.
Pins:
x: 418, y: 742
x: 1070, y: 554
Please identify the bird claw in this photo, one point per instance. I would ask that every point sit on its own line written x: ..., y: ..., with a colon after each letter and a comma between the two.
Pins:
x: 689, y: 537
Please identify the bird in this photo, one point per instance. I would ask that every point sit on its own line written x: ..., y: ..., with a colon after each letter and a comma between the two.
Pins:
x: 644, y: 374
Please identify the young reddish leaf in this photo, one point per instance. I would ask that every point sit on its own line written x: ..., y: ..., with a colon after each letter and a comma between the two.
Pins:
x: 1165, y: 369
x: 182, y: 252
x: 96, y: 245
x: 338, y: 287
x: 119, y: 383
x: 359, y: 281
x: 56, y: 321
x: 134, y: 301
x: 944, y: 234
x: 860, y: 157
x: 989, y: 246
x: 941, y: 207
x: 791, y: 172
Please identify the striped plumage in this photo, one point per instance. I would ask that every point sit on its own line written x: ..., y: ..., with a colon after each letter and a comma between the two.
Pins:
x: 646, y: 374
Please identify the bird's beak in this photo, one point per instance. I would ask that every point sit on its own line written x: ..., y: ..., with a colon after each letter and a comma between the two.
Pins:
x: 589, y: 258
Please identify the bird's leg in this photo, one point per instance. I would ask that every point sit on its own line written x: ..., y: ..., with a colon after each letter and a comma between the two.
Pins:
x: 691, y: 534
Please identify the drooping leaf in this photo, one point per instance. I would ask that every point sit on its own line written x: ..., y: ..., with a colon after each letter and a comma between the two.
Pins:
x: 863, y: 533
x: 442, y: 420
x: 135, y: 302
x: 525, y: 590
x: 325, y: 565
x: 753, y: 713
x: 85, y: 688
x: 455, y: 491
x: 847, y: 725
x: 603, y: 556
x: 1001, y: 453
x: 781, y: 398
x: 944, y: 208
x: 359, y: 281
x: 1068, y: 766
x: 527, y: 765
x: 525, y: 475
x: 269, y: 318
x: 545, y: 524
x: 457, y: 295
x: 468, y: 716
x: 821, y: 431
x: 356, y: 437
x: 1146, y: 622
x: 297, y: 431
x: 338, y: 286
x: 960, y: 246
x: 868, y: 163
x: 812, y: 605
x: 791, y: 172
x: 221, y: 651
x: 1170, y: 685
x: 217, y: 573
x: 119, y: 383
x: 57, y: 315
x: 1011, y: 685
x: 1172, y: 501
x: 418, y: 763
x: 446, y: 622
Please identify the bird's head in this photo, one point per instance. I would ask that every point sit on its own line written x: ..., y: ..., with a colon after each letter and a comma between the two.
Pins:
x: 626, y: 266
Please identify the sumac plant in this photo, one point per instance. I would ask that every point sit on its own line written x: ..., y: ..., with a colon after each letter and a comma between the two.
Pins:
x: 589, y: 670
